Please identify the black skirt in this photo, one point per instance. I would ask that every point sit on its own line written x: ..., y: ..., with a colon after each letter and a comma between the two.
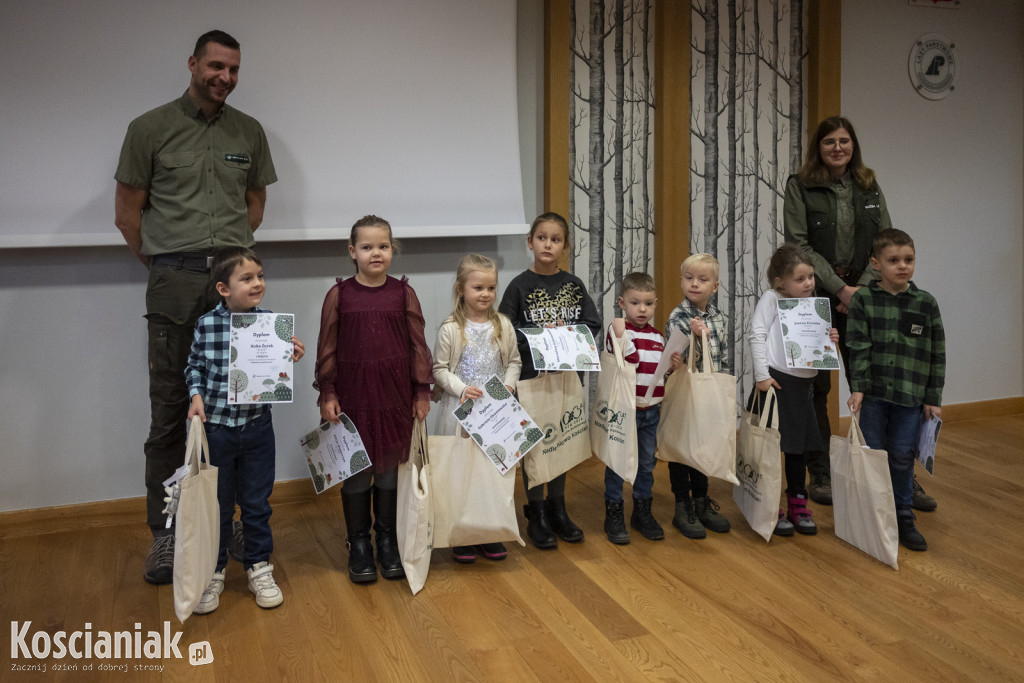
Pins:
x: 798, y: 424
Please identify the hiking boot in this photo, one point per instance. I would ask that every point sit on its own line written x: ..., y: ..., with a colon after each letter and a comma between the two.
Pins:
x: 614, y: 524
x: 820, y: 490
x: 211, y: 596
x: 707, y: 512
x: 160, y: 563
x: 537, y: 525
x: 643, y: 521
x: 800, y: 516
x: 686, y: 519
x: 560, y: 523
x: 464, y: 554
x: 910, y: 537
x: 783, y: 527
x: 263, y: 586
x: 493, y: 551
x: 921, y: 500
x: 236, y: 546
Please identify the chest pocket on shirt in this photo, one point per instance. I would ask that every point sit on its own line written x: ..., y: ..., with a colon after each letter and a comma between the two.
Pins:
x: 177, y: 159
x: 913, y: 324
x: 236, y: 170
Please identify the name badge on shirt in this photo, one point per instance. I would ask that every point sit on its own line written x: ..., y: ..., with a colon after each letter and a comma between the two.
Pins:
x: 237, y: 158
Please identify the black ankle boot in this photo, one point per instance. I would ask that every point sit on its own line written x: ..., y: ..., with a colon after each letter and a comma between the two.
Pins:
x: 614, y: 524
x: 537, y: 525
x: 385, y: 509
x: 356, y: 507
x: 560, y: 523
x: 643, y: 521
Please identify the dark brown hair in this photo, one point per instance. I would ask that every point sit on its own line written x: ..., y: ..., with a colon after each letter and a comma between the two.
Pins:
x: 815, y: 173
x: 226, y: 259
x: 783, y: 261
x: 891, y: 237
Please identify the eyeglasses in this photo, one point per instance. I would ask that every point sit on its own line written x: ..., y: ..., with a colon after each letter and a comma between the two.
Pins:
x: 840, y: 142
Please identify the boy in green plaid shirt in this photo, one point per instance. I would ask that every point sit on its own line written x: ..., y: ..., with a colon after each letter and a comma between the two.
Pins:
x: 897, y: 366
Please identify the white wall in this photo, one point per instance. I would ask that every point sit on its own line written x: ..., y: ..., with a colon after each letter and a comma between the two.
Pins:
x: 73, y: 398
x: 73, y: 378
x: 952, y: 172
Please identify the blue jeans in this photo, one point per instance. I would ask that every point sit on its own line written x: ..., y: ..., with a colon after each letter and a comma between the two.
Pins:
x: 646, y: 441
x: 245, y: 459
x: 895, y: 430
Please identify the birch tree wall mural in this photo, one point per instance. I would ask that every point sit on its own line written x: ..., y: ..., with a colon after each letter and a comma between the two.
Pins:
x: 747, y: 122
x: 610, y: 143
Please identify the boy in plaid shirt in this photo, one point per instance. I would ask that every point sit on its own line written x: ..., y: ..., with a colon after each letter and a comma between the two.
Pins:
x: 897, y: 366
x: 695, y: 510
x: 241, y: 436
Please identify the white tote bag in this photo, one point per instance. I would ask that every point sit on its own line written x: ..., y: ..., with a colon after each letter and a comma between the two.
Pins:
x: 698, y: 419
x: 759, y: 465
x: 862, y: 499
x: 197, y: 524
x: 613, y: 418
x: 472, y: 501
x: 555, y: 402
x: 414, y: 521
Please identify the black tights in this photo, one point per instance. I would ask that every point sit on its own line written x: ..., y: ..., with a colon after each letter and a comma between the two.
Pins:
x: 796, y: 474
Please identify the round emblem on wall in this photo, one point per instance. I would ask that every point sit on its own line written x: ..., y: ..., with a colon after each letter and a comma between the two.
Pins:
x: 932, y: 66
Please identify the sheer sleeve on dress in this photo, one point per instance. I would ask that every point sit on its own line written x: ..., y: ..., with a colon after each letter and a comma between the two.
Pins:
x: 326, y: 370
x: 421, y: 370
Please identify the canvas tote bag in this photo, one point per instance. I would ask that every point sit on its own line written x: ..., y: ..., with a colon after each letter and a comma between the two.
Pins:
x: 197, y: 524
x: 414, y: 521
x: 613, y: 418
x: 698, y: 419
x: 472, y: 501
x: 759, y: 464
x: 555, y: 402
x: 862, y: 499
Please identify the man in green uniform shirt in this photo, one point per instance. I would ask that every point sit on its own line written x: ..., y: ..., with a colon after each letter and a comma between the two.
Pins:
x: 191, y: 177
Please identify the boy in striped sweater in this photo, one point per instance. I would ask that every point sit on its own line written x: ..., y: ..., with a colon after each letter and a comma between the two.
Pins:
x: 643, y: 348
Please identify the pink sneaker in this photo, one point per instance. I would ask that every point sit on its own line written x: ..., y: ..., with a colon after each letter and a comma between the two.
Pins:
x: 800, y: 516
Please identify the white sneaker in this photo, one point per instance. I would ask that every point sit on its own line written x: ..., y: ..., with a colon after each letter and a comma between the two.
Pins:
x: 783, y: 527
x: 211, y: 596
x: 263, y: 586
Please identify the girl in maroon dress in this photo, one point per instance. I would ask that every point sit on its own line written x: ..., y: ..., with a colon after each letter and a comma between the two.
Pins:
x: 373, y: 364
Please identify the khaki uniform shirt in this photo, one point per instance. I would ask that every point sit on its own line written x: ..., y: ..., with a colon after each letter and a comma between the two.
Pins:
x: 197, y: 173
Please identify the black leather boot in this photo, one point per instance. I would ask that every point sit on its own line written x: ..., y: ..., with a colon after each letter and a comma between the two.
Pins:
x: 385, y: 509
x: 560, y: 523
x: 537, y: 525
x: 356, y: 506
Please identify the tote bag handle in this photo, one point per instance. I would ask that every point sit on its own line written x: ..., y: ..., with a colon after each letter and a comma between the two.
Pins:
x: 708, y: 365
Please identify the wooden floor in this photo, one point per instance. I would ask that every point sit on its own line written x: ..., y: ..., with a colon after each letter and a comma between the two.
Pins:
x: 728, y: 607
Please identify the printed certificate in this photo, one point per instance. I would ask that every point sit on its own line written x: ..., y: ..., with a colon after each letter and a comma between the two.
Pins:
x: 499, y: 425
x: 805, y: 327
x: 926, y: 441
x: 334, y: 452
x: 260, y: 369
x: 570, y: 347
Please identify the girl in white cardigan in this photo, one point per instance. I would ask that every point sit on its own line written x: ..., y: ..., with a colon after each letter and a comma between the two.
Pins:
x: 474, y: 344
x: 791, y: 276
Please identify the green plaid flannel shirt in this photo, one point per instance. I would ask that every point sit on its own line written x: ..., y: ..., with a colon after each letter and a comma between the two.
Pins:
x: 897, y: 346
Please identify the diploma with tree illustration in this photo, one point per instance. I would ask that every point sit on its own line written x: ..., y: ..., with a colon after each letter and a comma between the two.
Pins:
x: 499, y: 425
x: 334, y: 452
x: 805, y: 325
x: 568, y: 347
x: 260, y: 366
